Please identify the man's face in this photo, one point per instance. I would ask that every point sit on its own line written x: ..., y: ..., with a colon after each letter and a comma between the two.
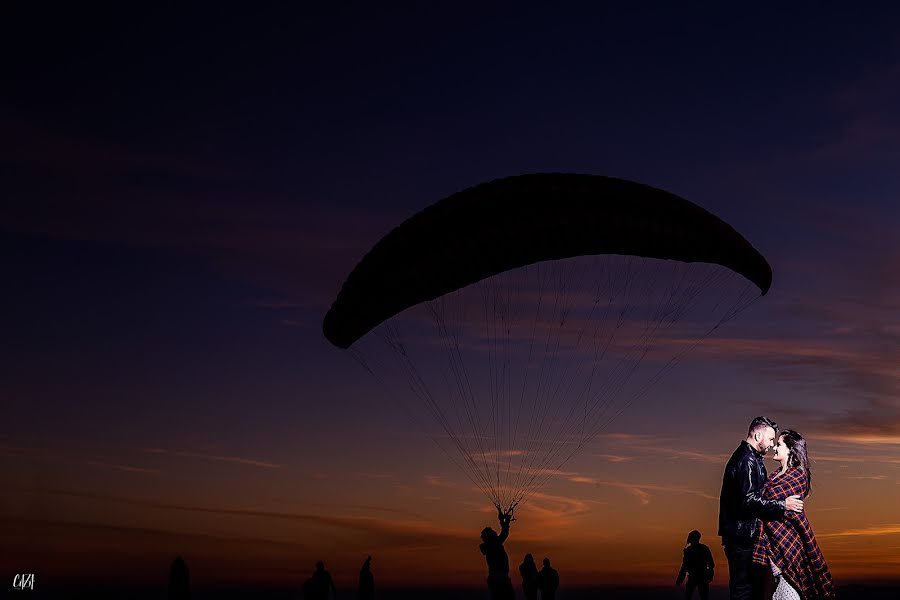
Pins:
x: 765, y: 439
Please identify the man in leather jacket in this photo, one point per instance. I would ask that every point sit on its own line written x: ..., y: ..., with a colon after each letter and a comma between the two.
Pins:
x: 741, y: 507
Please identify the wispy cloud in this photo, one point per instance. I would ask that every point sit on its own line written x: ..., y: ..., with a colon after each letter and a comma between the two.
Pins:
x: 375, y: 475
x: 399, y: 530
x: 869, y: 121
x: 61, y: 529
x: 440, y: 481
x: 214, y: 457
x: 613, y: 458
x: 119, y: 467
x: 53, y: 456
x: 865, y: 457
x: 867, y: 376
x: 875, y: 530
x: 642, y: 491
x: 115, y: 499
x: 641, y: 445
x: 553, y: 505
x: 298, y: 247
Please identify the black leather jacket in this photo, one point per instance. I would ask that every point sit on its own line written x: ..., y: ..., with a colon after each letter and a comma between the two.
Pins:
x: 740, y: 504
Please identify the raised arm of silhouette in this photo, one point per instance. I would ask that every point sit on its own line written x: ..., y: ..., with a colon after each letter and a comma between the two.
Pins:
x: 179, y: 580
x: 366, y: 581
x: 698, y: 565
x: 491, y: 546
x: 505, y: 519
x: 548, y: 581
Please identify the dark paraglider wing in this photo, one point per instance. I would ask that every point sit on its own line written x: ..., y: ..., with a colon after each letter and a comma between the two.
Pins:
x: 517, y: 221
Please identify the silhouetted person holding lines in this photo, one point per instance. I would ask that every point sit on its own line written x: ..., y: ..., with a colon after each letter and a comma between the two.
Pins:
x: 317, y: 586
x: 366, y: 581
x: 497, y: 560
x: 698, y: 565
x: 548, y: 581
x: 528, y: 571
x: 179, y: 580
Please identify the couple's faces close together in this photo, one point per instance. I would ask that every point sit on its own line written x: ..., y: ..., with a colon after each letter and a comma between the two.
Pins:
x: 765, y: 440
x: 781, y: 450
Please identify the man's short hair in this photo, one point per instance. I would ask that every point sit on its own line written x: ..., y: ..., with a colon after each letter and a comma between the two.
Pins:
x: 761, y: 423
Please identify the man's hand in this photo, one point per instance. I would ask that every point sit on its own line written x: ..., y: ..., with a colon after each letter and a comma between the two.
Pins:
x: 794, y: 503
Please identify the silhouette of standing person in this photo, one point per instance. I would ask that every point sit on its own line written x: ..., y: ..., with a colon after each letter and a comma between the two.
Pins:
x: 491, y: 546
x: 317, y: 586
x: 698, y: 565
x: 528, y: 571
x: 366, y: 581
x: 179, y: 580
x: 548, y: 581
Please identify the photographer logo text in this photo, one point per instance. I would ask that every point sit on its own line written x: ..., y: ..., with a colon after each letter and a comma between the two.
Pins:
x: 23, y: 581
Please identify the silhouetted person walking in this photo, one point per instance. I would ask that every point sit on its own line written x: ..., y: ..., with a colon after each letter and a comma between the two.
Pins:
x: 528, y: 571
x: 497, y: 560
x: 179, y: 580
x: 366, y: 581
x: 317, y: 586
x: 698, y: 565
x: 548, y: 581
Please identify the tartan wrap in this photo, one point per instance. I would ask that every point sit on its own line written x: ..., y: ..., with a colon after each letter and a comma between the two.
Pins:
x: 790, y: 542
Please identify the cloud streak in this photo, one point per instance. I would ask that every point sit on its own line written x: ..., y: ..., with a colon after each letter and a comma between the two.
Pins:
x: 873, y: 531
x: 46, y: 455
x: 214, y: 457
x: 387, y: 532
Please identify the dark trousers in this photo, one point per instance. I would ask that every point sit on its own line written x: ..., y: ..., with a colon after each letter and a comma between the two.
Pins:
x: 739, y: 552
x: 702, y: 588
x: 501, y: 587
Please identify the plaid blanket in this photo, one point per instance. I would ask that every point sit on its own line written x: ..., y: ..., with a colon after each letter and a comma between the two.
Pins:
x: 790, y: 543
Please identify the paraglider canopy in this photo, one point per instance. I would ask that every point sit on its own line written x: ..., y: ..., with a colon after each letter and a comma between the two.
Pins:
x: 521, y: 220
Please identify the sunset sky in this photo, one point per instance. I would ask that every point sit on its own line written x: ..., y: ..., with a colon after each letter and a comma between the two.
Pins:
x: 185, y: 192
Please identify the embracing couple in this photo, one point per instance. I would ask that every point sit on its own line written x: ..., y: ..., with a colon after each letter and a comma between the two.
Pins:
x: 762, y: 523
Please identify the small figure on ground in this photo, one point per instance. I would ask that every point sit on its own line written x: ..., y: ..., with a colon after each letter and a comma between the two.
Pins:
x: 318, y: 586
x: 548, y: 581
x: 529, y: 572
x: 698, y: 565
x: 366, y: 581
x: 179, y: 580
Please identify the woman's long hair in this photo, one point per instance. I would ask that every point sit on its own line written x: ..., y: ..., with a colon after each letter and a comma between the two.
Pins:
x: 797, y: 455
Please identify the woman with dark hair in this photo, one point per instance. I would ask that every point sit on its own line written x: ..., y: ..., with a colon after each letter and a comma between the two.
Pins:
x: 788, y: 546
x: 529, y: 572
